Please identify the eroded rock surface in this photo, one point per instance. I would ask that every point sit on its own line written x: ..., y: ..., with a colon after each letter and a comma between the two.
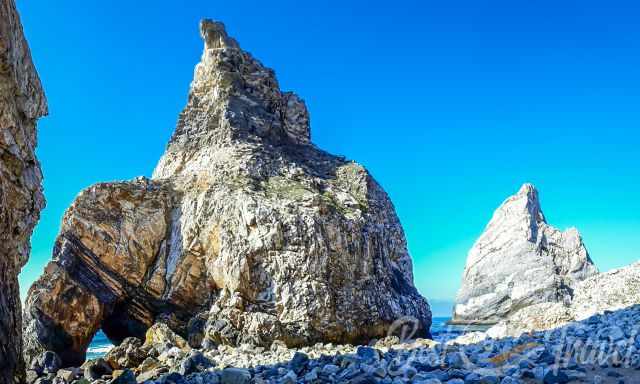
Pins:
x: 22, y: 102
x: 520, y: 260
x: 604, y: 292
x: 247, y: 233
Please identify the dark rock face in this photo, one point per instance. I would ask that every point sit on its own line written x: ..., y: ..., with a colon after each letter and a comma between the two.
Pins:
x: 22, y: 102
x: 247, y: 233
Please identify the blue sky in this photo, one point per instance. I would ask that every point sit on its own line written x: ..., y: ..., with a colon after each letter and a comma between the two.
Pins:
x: 450, y: 104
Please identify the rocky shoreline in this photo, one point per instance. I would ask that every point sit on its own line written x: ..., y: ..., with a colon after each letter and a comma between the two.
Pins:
x: 604, y: 348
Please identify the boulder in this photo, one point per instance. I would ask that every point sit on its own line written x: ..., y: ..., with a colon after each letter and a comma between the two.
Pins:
x: 128, y: 354
x: 244, y: 219
x: 235, y: 376
x: 161, y: 337
x: 95, y: 369
x: 69, y: 375
x: 518, y: 261
x: 196, y: 362
x: 22, y: 102
x: 47, y: 362
x: 124, y: 377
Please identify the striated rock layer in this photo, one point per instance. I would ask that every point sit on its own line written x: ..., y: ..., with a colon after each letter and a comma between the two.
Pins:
x: 246, y: 233
x: 519, y: 261
x: 22, y: 101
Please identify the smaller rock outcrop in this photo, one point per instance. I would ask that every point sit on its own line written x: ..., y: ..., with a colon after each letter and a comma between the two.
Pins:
x: 22, y: 102
x: 518, y: 261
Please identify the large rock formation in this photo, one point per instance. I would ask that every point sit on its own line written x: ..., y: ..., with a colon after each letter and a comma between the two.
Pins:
x: 247, y: 233
x: 22, y: 101
x: 518, y: 261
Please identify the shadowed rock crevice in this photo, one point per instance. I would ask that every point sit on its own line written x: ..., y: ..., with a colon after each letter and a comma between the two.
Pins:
x: 247, y: 233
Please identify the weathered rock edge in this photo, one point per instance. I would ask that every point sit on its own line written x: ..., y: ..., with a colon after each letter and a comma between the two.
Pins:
x: 602, y: 293
x: 22, y: 102
x: 247, y: 233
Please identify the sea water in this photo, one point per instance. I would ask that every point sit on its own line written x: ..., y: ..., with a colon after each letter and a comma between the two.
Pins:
x: 99, y: 346
x: 440, y: 331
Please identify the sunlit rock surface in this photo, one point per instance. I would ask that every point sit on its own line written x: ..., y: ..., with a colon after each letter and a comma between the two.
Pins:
x: 601, y: 293
x: 518, y: 261
x: 247, y: 233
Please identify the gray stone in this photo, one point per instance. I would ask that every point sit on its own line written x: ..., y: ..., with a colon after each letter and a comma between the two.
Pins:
x: 311, y: 376
x: 128, y: 354
x: 367, y: 353
x: 95, y: 369
x: 289, y: 378
x: 455, y: 360
x: 172, y: 378
x: 68, y: 375
x: 330, y: 369
x: 235, y: 376
x: 126, y: 377
x: 613, y: 334
x: 553, y: 377
x: 196, y: 362
x: 409, y: 371
x: 380, y: 372
x: 298, y: 362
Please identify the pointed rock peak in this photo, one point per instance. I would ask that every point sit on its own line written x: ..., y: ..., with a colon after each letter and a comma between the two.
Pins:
x: 529, y: 190
x: 526, y: 202
x: 215, y: 35
x: 233, y: 99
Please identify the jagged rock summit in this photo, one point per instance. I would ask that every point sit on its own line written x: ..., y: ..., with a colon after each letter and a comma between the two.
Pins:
x: 520, y: 260
x: 246, y: 233
x: 22, y: 102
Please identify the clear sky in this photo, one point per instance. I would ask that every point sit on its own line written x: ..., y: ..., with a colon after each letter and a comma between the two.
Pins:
x: 452, y: 105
